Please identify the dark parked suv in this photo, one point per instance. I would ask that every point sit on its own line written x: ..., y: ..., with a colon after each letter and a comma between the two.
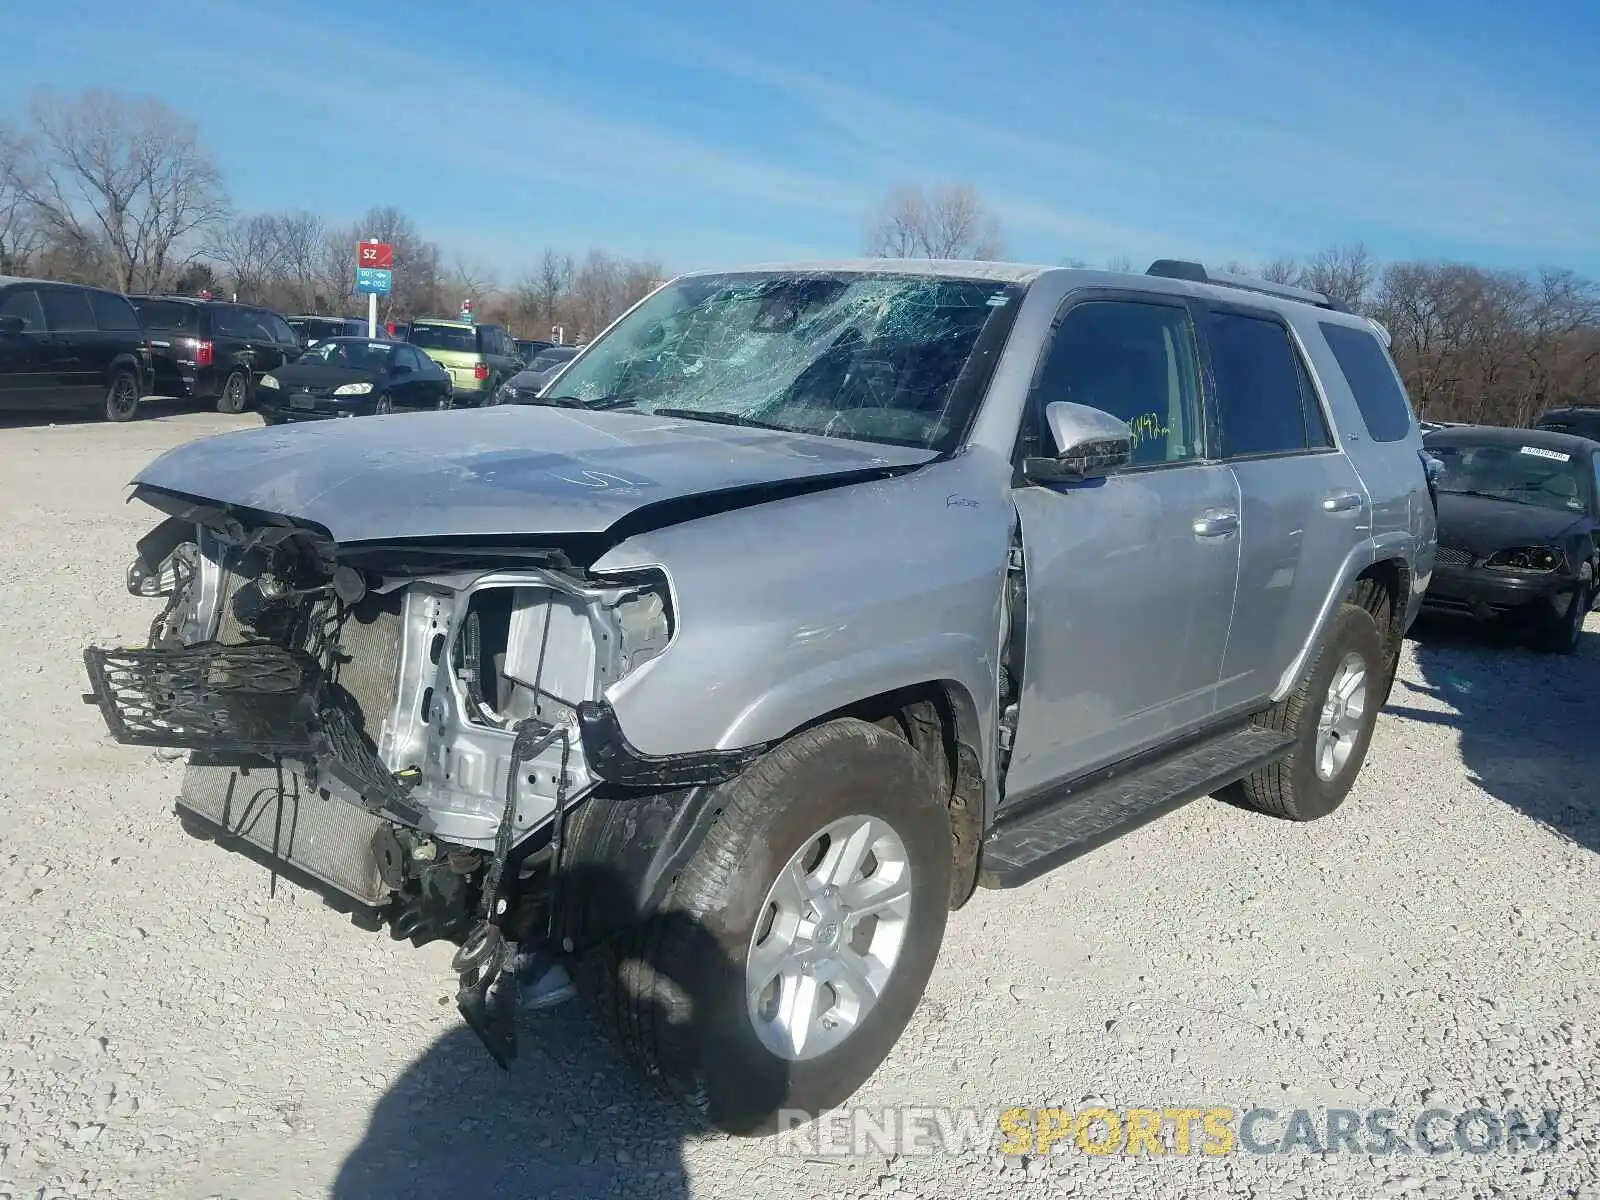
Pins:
x: 1581, y: 417
x: 63, y: 345
x: 213, y: 349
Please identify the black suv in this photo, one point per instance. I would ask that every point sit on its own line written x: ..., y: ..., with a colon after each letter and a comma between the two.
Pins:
x: 64, y: 345
x: 213, y: 349
x: 312, y: 328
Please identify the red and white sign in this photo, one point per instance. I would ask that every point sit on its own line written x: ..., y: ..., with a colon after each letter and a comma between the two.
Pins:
x: 377, y: 255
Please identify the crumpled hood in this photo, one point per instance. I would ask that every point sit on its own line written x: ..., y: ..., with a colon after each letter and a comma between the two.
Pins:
x: 499, y: 471
x: 1483, y: 525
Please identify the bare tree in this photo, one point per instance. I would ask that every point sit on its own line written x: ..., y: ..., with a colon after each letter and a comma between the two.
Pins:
x: 1120, y: 262
x: 19, y: 232
x: 127, y: 176
x: 950, y: 221
x: 247, y: 249
x: 1344, y: 274
x: 1279, y: 270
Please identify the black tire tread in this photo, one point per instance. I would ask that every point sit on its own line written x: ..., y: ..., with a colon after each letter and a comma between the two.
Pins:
x: 1270, y: 789
x: 649, y: 1021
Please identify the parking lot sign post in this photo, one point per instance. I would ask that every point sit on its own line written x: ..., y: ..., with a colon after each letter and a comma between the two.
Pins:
x: 374, y: 276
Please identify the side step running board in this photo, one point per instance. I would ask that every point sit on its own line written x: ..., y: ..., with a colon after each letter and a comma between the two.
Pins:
x: 1058, y: 829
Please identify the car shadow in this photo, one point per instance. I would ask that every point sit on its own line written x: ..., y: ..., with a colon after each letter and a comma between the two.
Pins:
x: 150, y: 408
x: 1527, y: 720
x: 570, y: 1119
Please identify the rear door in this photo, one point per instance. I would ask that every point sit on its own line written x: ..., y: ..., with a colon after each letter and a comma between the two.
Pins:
x: 75, y: 354
x: 1302, y: 505
x: 1130, y: 579
x: 119, y: 328
x: 23, y: 380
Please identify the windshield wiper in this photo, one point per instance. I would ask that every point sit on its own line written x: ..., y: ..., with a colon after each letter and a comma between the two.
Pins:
x: 719, y: 418
x: 617, y: 400
x: 1484, y: 495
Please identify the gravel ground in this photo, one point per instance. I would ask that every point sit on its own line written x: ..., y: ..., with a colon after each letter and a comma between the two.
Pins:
x: 173, y: 1028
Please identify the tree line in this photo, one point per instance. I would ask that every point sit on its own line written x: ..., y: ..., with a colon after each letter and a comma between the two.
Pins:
x: 104, y: 188
x: 1473, y: 344
x: 119, y: 191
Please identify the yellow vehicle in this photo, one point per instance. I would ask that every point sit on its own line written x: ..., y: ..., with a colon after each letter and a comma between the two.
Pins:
x: 479, y: 358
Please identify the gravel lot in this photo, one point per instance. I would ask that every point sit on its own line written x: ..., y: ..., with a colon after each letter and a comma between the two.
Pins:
x: 171, y: 1028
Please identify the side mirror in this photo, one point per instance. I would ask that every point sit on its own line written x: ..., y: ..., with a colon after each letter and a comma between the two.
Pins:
x: 1089, y: 443
x: 400, y: 369
x: 11, y: 324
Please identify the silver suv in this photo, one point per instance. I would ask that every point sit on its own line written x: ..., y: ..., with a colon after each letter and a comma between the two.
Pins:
x: 808, y: 600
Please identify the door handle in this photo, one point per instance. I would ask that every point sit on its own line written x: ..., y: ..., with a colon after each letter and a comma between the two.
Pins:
x: 1341, y: 501
x: 1216, y: 522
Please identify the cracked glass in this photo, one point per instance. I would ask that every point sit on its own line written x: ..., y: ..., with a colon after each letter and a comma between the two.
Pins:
x: 871, y: 357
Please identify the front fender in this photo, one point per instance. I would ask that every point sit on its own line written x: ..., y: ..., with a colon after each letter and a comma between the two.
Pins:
x: 956, y: 659
x: 790, y: 610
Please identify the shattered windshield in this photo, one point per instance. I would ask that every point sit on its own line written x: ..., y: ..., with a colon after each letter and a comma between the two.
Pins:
x: 870, y: 357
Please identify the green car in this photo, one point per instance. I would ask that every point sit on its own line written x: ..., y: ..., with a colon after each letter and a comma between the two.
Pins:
x: 479, y: 358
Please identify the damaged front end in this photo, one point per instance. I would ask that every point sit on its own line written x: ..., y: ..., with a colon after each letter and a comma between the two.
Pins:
x: 407, y: 723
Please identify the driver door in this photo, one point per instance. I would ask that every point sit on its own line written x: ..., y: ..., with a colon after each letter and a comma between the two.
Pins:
x: 1130, y: 578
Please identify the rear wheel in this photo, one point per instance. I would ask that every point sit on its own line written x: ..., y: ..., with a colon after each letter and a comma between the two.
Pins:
x: 122, y: 397
x: 1331, y: 714
x: 235, y: 397
x: 796, y: 943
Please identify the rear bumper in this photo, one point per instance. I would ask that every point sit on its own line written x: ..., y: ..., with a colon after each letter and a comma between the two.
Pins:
x: 1485, y: 595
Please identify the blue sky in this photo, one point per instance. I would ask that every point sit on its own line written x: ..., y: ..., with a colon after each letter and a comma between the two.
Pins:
x: 711, y: 132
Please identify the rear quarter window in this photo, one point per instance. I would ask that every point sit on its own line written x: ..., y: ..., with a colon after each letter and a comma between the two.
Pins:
x: 168, y: 316
x: 113, y: 314
x: 1384, y: 407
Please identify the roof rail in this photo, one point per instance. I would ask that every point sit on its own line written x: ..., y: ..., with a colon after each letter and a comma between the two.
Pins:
x: 1177, y: 268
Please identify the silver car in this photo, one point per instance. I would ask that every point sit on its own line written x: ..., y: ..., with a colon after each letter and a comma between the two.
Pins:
x: 805, y: 601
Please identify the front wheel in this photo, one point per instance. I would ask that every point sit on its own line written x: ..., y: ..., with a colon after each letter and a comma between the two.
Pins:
x: 796, y: 943
x: 122, y: 397
x: 1563, y: 631
x: 383, y: 406
x: 235, y: 397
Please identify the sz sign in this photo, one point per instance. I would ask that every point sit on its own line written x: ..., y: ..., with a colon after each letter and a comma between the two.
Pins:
x: 374, y: 282
x: 379, y: 255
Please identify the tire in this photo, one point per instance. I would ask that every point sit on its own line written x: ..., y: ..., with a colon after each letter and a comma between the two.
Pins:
x: 235, y: 395
x: 383, y: 405
x: 122, y: 397
x: 1294, y: 788
x: 673, y: 989
x: 1563, y: 632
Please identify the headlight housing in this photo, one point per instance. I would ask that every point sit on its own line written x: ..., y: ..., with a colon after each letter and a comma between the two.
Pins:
x: 352, y: 389
x: 270, y: 381
x: 1540, y: 559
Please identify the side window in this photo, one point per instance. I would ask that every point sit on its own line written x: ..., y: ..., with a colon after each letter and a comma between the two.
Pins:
x: 405, y: 356
x: 66, y: 310
x: 1265, y: 401
x: 228, y: 322
x: 1383, y: 403
x: 279, y: 328
x: 24, y: 303
x: 1318, y: 435
x: 1135, y: 361
x: 113, y: 314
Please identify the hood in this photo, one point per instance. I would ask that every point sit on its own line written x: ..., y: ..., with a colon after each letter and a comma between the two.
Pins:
x: 506, y: 470
x: 1482, y: 525
x: 323, y: 374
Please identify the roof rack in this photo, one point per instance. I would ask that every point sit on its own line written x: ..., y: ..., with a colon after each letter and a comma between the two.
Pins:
x: 1177, y: 268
